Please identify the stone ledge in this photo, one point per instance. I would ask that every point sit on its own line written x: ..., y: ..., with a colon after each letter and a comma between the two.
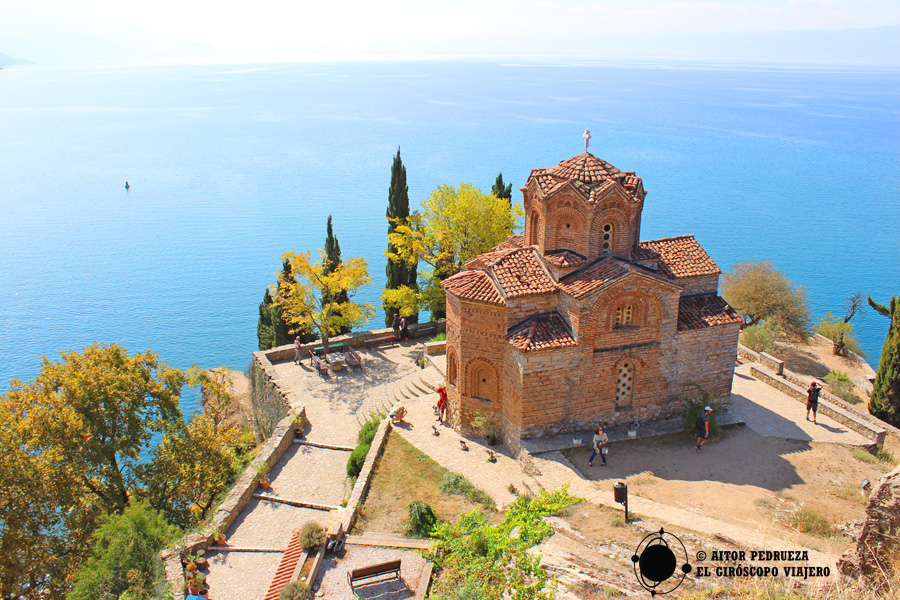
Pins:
x: 358, y: 495
x: 826, y: 406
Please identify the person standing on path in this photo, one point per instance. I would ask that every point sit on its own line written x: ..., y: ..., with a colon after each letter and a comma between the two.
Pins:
x: 404, y: 329
x: 702, y: 424
x: 812, y: 401
x: 599, y: 445
x: 442, y: 403
x: 297, y: 350
x: 396, y: 325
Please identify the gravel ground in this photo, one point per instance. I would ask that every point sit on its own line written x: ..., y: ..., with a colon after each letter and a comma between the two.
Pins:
x: 332, y: 582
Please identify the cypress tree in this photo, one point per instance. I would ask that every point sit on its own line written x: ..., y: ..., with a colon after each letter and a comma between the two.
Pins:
x: 271, y: 329
x: 884, y: 402
x: 398, y: 273
x: 265, y: 332
x: 332, y: 260
x: 500, y: 190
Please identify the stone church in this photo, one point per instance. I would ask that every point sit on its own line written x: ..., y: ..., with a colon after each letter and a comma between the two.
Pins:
x: 577, y: 322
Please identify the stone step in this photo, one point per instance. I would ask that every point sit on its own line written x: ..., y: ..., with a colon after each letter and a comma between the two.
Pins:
x: 298, y: 503
x: 325, y: 446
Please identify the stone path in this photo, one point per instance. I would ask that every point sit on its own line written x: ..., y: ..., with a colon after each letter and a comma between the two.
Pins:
x: 759, y: 405
x: 772, y: 413
x: 336, y: 405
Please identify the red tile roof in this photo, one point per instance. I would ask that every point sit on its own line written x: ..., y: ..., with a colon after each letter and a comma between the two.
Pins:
x: 473, y: 285
x: 541, y: 333
x: 519, y: 272
x: 642, y: 253
x: 682, y: 256
x: 591, y: 176
x: 514, y: 241
x: 697, y: 312
x: 565, y: 258
x: 581, y: 283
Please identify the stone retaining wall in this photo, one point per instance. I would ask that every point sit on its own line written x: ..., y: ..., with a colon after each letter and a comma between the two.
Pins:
x: 361, y: 489
x: 238, y: 498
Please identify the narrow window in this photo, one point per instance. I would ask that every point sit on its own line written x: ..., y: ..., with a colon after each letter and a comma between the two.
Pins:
x: 625, y: 385
x: 451, y: 370
x: 625, y: 315
x: 607, y: 237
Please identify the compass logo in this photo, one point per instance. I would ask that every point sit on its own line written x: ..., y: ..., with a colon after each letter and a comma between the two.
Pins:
x: 656, y: 562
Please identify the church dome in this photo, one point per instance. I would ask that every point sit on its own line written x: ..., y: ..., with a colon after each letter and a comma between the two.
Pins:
x: 590, y: 175
x: 585, y: 168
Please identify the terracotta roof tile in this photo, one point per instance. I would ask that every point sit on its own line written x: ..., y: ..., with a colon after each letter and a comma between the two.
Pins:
x: 565, y: 258
x: 518, y: 272
x: 587, y: 280
x: 541, y: 333
x: 473, y: 285
x: 697, y: 312
x: 591, y: 176
x: 512, y: 242
x: 682, y: 256
x: 642, y: 253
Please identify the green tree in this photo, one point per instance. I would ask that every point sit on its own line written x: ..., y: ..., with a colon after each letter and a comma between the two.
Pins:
x: 124, y: 558
x: 455, y: 226
x: 884, y: 402
x: 839, y: 331
x: 273, y: 330
x: 313, y: 303
x: 400, y: 273
x: 760, y: 293
x: 502, y: 191
x: 332, y: 261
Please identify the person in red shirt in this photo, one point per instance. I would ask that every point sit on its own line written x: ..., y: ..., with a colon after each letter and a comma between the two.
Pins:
x: 442, y: 403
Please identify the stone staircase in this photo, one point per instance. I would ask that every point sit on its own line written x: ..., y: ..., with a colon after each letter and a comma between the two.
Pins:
x: 285, y: 572
x: 410, y: 388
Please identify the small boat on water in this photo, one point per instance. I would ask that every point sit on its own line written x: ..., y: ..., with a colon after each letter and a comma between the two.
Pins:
x: 127, y: 187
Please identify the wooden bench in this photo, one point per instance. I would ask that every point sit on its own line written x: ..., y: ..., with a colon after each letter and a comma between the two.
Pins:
x: 387, y: 568
x: 340, y: 347
x: 390, y: 337
x: 353, y: 359
x: 318, y: 362
x: 426, y: 330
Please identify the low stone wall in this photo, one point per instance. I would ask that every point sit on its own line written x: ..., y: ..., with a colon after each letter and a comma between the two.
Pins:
x: 238, y: 498
x: 826, y: 407
x: 268, y: 400
x: 361, y: 489
x: 775, y: 365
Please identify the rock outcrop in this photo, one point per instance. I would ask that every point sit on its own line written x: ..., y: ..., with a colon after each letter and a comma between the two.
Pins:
x: 878, y: 546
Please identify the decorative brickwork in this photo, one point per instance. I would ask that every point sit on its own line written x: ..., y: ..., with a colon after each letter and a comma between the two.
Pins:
x: 575, y: 322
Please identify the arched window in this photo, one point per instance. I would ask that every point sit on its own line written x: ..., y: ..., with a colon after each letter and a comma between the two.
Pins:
x: 452, y: 369
x: 624, y: 315
x: 607, y: 238
x: 532, y: 230
x: 482, y: 384
x: 625, y: 384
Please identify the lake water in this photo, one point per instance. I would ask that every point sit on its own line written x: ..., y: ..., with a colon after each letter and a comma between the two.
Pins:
x: 231, y: 166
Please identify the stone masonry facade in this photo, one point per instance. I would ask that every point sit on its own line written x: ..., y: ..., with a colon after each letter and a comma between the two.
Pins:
x: 576, y: 322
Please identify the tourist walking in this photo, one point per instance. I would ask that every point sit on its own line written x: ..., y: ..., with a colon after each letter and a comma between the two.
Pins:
x: 297, y: 344
x: 599, y: 445
x: 442, y: 403
x: 702, y: 424
x: 396, y: 326
x: 404, y: 329
x: 812, y: 401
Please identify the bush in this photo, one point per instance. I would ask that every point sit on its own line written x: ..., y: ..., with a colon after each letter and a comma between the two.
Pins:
x: 758, y: 338
x: 295, y: 590
x: 842, y: 386
x: 439, y: 338
x: 368, y: 431
x: 694, y: 408
x: 832, y: 327
x: 809, y: 520
x: 454, y: 483
x: 124, y: 557
x: 421, y: 519
x: 357, y: 459
x: 312, y: 535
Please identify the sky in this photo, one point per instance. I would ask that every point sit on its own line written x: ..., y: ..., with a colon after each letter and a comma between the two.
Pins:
x: 37, y: 27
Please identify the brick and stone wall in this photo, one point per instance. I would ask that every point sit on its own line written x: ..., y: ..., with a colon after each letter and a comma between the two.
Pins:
x: 707, y: 284
x: 706, y: 359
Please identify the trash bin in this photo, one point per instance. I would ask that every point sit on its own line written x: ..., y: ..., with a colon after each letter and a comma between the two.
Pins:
x: 620, y: 490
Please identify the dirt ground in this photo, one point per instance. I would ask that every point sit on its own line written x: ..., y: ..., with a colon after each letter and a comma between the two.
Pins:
x: 816, y: 360
x: 402, y: 475
x: 743, y: 478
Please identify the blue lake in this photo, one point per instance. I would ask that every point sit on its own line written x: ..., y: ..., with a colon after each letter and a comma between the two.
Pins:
x: 231, y: 166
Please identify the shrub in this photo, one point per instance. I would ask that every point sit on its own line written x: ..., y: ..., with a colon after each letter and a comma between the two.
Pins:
x: 439, y: 338
x: 421, y: 519
x: 312, y: 535
x: 357, y: 459
x: 758, y: 338
x: 809, y: 520
x: 832, y: 327
x: 694, y: 408
x: 841, y: 386
x: 454, y: 483
x: 295, y: 590
x: 368, y: 430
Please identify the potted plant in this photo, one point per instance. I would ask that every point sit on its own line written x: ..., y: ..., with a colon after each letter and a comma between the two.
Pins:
x: 217, y: 533
x: 485, y: 425
x: 189, y: 560
x: 262, y: 475
x: 196, y: 583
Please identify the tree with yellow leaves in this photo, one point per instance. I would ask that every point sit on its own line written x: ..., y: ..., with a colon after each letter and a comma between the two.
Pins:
x: 315, y: 300
x: 454, y: 226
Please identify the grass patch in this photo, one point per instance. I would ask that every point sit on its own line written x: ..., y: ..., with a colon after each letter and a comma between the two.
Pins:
x: 809, y: 520
x: 454, y: 483
x: 439, y: 338
x: 880, y: 457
